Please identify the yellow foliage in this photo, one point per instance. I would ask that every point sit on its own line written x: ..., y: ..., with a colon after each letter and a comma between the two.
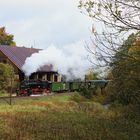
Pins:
x: 90, y: 75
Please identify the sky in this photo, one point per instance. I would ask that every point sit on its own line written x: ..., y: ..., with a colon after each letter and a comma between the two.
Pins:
x: 40, y: 23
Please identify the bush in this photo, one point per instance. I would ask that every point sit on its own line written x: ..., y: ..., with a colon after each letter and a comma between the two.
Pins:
x: 77, y: 98
x: 3, y: 92
x: 108, y: 92
x: 124, y: 91
x: 87, y: 91
x: 6, y: 76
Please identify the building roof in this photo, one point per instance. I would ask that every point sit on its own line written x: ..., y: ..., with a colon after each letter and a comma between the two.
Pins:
x: 18, y: 55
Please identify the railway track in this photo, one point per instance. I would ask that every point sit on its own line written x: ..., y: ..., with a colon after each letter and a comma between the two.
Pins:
x: 34, y: 96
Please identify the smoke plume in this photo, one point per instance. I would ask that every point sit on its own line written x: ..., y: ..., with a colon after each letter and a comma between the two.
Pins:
x: 70, y: 60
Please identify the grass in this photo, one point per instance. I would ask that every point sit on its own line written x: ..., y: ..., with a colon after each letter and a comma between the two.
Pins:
x: 3, y: 93
x: 60, y: 118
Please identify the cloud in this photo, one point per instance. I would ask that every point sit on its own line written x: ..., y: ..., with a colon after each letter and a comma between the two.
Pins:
x: 43, y: 22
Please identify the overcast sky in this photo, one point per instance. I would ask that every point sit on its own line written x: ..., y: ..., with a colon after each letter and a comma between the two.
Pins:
x: 40, y: 23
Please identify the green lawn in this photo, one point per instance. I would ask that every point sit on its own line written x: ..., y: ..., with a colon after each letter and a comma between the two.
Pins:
x: 60, y: 118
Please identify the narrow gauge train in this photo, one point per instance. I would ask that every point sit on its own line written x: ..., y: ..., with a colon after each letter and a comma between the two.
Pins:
x: 28, y: 87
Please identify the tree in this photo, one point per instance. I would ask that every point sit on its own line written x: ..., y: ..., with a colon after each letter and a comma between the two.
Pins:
x: 118, y: 19
x: 113, y: 21
x: 91, y: 75
x: 119, y: 14
x: 125, y: 70
x: 5, y: 38
x: 6, y: 76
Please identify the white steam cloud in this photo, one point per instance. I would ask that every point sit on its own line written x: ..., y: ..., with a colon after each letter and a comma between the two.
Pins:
x: 70, y: 60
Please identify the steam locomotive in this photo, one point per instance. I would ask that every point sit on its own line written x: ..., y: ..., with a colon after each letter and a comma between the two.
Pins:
x: 34, y: 87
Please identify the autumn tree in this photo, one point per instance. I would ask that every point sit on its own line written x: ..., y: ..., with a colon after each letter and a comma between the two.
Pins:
x: 5, y: 38
x: 125, y: 70
x: 113, y: 22
x: 91, y: 75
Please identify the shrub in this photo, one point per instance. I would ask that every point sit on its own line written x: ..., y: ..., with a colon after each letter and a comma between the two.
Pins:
x: 77, y: 98
x: 87, y: 92
x: 6, y: 76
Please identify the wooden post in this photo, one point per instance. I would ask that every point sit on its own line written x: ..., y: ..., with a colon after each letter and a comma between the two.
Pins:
x: 11, y: 81
x: 11, y: 91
